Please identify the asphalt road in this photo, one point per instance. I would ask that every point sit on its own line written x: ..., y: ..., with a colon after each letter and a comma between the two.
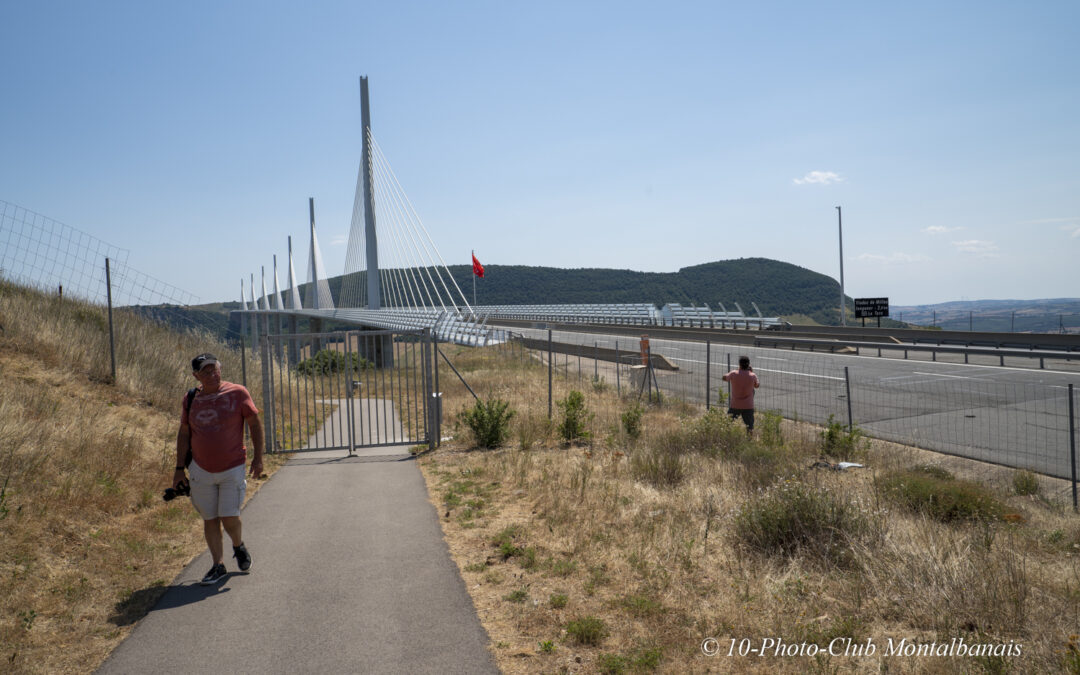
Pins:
x: 350, y: 574
x: 1016, y: 415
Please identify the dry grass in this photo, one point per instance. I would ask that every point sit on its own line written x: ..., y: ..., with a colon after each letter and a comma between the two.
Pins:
x: 88, y: 545
x: 623, y: 554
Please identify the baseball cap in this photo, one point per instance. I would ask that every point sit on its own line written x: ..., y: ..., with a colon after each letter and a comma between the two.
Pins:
x: 201, y: 360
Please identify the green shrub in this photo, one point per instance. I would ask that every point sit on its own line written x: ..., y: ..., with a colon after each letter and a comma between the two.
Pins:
x: 329, y: 361
x: 574, y: 417
x: 612, y: 664
x: 1025, y: 483
x: 504, y: 541
x: 769, y: 424
x: 520, y: 595
x: 715, y: 434
x: 944, y: 499
x: 795, y: 519
x: 631, y: 421
x: 587, y: 630
x: 558, y: 600
x: 547, y: 647
x: 657, y: 467
x: 489, y: 421
x: 840, y: 444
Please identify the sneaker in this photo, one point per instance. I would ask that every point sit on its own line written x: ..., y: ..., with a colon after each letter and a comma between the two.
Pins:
x: 243, y: 558
x: 216, y: 573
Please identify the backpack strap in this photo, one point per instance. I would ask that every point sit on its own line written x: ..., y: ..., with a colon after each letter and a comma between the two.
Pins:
x: 187, y: 408
x: 190, y: 397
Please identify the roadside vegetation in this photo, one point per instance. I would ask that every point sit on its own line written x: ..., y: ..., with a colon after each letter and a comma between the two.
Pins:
x: 617, y: 536
x: 87, y: 545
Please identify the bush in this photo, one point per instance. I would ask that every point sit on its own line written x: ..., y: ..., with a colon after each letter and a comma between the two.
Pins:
x: 631, y: 421
x: 1025, y: 483
x: 574, y: 417
x: 612, y: 664
x: 588, y: 630
x: 840, y: 444
x: 769, y: 424
x: 330, y: 361
x: 657, y: 467
x: 716, y: 434
x: 944, y: 499
x: 489, y: 421
x: 798, y: 519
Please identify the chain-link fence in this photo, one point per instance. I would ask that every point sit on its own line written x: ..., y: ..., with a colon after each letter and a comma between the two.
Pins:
x: 1008, y: 417
x: 56, y: 259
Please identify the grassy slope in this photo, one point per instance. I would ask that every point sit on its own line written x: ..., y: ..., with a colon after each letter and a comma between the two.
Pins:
x: 644, y: 536
x: 87, y: 543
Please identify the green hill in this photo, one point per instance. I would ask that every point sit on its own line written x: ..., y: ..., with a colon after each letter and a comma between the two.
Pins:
x: 778, y: 288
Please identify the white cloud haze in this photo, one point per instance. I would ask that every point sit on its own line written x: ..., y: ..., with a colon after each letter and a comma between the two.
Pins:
x: 985, y: 249
x: 896, y: 258
x: 819, y: 177
x: 940, y: 229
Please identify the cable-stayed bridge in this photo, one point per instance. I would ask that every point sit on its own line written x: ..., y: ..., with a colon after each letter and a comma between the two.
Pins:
x: 395, y: 278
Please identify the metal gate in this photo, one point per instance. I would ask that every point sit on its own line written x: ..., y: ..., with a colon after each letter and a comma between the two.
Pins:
x: 347, y: 390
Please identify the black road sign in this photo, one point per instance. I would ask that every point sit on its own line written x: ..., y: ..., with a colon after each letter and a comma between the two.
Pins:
x: 868, y: 308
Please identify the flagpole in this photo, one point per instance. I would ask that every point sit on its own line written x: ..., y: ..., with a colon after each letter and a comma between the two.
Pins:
x: 473, y: 279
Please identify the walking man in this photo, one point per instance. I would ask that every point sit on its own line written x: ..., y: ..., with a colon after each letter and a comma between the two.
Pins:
x: 212, y: 428
x: 743, y: 383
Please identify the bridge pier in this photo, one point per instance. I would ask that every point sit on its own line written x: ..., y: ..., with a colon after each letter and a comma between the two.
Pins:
x: 315, y: 326
x: 294, y: 354
x: 378, y: 349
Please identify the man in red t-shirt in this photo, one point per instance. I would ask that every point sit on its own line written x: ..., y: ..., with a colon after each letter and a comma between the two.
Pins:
x: 213, y: 429
x: 743, y: 383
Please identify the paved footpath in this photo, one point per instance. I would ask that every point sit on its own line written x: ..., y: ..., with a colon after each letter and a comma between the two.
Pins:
x: 350, y: 574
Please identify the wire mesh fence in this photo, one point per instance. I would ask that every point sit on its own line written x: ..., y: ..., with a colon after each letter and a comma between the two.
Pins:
x: 997, y: 416
x: 40, y: 252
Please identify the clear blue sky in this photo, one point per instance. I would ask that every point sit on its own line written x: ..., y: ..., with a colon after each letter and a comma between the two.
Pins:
x: 646, y: 136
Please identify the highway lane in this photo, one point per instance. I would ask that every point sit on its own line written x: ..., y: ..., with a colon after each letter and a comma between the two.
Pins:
x: 1016, y: 416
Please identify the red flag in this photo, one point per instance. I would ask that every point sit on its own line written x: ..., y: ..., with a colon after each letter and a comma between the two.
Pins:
x: 477, y: 268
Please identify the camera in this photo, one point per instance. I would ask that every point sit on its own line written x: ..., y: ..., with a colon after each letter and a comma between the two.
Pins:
x: 181, y: 490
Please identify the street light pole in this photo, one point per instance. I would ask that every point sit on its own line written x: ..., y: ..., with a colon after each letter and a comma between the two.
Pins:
x: 840, y: 225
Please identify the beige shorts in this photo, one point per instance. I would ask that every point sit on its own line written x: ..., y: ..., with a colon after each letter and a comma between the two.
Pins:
x: 217, y: 495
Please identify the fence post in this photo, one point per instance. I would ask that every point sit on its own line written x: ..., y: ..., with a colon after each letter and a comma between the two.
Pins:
x: 596, y: 361
x: 243, y: 360
x: 729, y: 381
x: 1072, y: 443
x: 268, y: 401
x: 549, y: 373
x: 847, y: 388
x: 708, y: 383
x: 618, y: 371
x: 112, y: 339
x: 431, y: 346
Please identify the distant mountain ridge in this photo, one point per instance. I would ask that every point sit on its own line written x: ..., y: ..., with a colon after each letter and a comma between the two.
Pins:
x: 1048, y: 315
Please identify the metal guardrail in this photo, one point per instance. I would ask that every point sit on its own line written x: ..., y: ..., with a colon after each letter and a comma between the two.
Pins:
x: 833, y: 345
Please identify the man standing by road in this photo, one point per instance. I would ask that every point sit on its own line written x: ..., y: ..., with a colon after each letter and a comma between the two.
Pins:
x: 743, y: 383
x: 212, y: 427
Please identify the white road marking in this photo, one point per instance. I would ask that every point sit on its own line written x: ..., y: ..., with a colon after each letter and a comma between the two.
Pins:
x: 769, y: 370
x: 958, y: 377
